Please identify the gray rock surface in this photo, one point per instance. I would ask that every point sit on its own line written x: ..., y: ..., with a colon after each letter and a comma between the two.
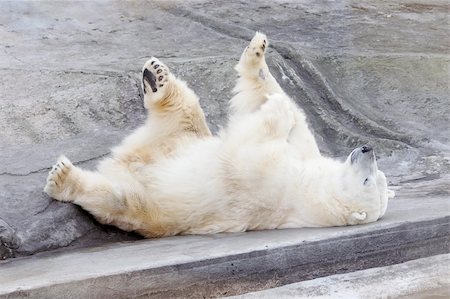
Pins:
x: 418, y: 279
x: 368, y: 72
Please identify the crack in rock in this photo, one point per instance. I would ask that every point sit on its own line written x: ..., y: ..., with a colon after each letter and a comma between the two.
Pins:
x: 48, y: 168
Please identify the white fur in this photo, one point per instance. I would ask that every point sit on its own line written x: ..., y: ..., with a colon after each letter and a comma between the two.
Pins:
x: 264, y: 171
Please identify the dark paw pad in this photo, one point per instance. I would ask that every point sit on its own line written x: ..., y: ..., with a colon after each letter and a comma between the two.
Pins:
x: 151, y: 80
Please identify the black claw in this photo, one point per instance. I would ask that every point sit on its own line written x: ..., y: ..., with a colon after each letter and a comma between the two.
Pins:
x: 160, y: 78
x: 63, y: 163
x: 264, y: 41
x: 151, y: 63
x: 156, y: 66
x: 151, y: 79
x: 159, y: 71
x: 263, y: 47
x: 161, y: 85
x: 257, y: 54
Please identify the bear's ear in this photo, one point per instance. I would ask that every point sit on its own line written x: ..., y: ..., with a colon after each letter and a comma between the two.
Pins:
x: 391, y: 193
x: 359, y: 216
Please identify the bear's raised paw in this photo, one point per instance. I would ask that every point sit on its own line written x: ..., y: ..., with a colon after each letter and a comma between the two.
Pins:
x: 155, y: 76
x: 255, y: 51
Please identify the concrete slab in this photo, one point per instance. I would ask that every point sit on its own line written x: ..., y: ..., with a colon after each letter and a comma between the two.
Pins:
x: 229, y: 264
x: 421, y: 278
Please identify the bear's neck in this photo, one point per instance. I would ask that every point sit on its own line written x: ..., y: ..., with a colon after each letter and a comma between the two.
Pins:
x: 314, y: 195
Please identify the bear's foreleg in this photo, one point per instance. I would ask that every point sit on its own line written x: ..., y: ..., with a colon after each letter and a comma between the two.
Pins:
x: 302, y: 138
x: 255, y: 81
x: 273, y: 121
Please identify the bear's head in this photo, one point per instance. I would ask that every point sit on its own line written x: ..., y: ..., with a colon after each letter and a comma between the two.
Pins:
x: 363, y: 188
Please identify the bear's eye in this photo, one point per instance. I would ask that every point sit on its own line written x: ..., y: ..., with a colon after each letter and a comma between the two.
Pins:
x: 366, y: 181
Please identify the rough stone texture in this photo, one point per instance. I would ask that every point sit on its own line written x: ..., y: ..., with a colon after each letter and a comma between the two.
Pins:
x: 365, y: 71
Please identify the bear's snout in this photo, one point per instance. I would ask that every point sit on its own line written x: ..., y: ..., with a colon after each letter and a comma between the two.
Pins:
x: 360, y: 154
x: 366, y: 148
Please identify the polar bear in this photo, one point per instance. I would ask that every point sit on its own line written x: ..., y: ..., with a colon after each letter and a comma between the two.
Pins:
x: 263, y: 171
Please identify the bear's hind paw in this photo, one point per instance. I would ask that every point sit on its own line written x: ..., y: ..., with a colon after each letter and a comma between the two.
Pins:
x: 57, y: 178
x: 155, y: 76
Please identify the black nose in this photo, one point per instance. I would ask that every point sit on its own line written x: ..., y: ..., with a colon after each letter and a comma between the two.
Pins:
x: 366, y: 148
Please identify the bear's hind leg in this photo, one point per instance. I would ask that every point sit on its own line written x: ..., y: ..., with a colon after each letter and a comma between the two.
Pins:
x: 175, y: 106
x: 255, y: 80
x: 157, y: 81
x: 92, y: 191
x: 64, y: 181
